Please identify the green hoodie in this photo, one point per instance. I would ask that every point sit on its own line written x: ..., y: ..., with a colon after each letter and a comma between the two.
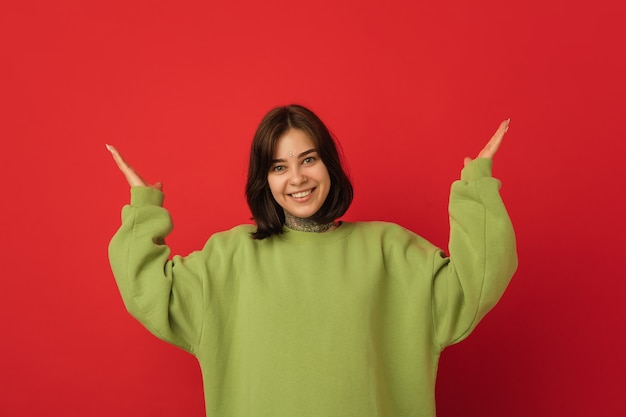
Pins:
x: 348, y: 323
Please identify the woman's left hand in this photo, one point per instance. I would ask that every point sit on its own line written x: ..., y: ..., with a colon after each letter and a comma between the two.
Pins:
x: 494, y: 143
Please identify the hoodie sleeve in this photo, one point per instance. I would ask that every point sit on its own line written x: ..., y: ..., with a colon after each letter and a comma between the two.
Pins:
x: 483, y: 255
x: 164, y: 294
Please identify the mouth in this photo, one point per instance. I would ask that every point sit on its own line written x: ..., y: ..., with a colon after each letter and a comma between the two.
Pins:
x: 302, y: 194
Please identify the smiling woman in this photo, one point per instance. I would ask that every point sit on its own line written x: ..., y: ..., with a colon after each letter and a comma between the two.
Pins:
x: 299, y: 180
x: 293, y: 153
x: 303, y: 315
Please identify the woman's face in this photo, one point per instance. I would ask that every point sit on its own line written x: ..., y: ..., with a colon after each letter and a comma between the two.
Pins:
x: 298, y: 178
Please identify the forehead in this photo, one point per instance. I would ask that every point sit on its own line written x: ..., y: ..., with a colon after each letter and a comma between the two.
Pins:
x: 294, y: 141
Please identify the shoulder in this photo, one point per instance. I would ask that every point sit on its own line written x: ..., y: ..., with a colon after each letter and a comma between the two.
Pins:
x: 380, y: 228
x: 232, y: 238
x: 389, y: 234
x: 236, y: 233
x: 397, y: 245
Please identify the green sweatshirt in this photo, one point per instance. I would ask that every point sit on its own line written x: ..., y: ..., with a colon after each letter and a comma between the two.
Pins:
x: 348, y: 323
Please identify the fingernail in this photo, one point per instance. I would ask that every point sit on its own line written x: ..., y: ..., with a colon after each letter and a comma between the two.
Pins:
x: 109, y: 147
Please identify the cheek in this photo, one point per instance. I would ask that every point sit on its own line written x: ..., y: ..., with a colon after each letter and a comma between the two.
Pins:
x: 325, y: 181
x: 274, y: 186
x: 326, y: 177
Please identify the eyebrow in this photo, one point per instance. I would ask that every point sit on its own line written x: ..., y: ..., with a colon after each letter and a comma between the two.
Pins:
x: 300, y: 155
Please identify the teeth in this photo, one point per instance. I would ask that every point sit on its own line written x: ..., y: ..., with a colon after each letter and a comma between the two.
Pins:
x: 302, y: 194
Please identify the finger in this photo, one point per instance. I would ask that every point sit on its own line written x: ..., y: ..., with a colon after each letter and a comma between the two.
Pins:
x: 466, y: 161
x: 116, y: 156
x: 494, y: 143
x: 121, y: 163
x: 131, y: 175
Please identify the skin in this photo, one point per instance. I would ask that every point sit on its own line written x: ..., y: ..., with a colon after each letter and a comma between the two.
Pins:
x: 300, y: 174
x: 299, y: 180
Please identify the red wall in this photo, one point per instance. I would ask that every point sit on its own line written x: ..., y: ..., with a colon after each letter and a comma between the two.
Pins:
x: 409, y: 87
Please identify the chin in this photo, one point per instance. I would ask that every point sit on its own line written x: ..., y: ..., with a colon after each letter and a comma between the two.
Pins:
x: 303, y: 214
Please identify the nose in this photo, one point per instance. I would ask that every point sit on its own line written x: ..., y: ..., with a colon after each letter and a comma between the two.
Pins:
x: 297, y: 178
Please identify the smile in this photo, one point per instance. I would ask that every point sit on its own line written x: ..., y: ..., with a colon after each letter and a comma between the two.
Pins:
x: 302, y: 194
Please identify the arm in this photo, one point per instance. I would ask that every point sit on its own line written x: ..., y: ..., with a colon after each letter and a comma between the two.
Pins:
x: 483, y: 255
x: 164, y: 295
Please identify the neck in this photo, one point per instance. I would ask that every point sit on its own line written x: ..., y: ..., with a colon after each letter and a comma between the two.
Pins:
x: 307, y: 225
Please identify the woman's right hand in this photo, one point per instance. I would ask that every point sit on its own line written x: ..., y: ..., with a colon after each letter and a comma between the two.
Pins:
x: 134, y: 179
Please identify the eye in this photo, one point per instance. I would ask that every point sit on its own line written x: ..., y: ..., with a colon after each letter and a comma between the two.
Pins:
x: 278, y: 168
x: 308, y: 160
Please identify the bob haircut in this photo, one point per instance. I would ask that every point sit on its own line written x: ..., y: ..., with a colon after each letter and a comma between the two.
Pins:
x: 268, y: 215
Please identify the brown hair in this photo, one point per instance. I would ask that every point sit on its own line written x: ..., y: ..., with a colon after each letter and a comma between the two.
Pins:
x: 267, y: 213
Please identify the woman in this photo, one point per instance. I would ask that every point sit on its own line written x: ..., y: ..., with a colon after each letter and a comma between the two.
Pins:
x: 304, y: 315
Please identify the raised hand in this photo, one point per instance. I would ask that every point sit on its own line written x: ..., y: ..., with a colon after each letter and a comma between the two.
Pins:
x: 494, y: 143
x: 134, y: 179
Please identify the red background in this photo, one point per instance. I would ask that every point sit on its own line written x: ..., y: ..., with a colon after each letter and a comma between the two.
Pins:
x: 408, y: 87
